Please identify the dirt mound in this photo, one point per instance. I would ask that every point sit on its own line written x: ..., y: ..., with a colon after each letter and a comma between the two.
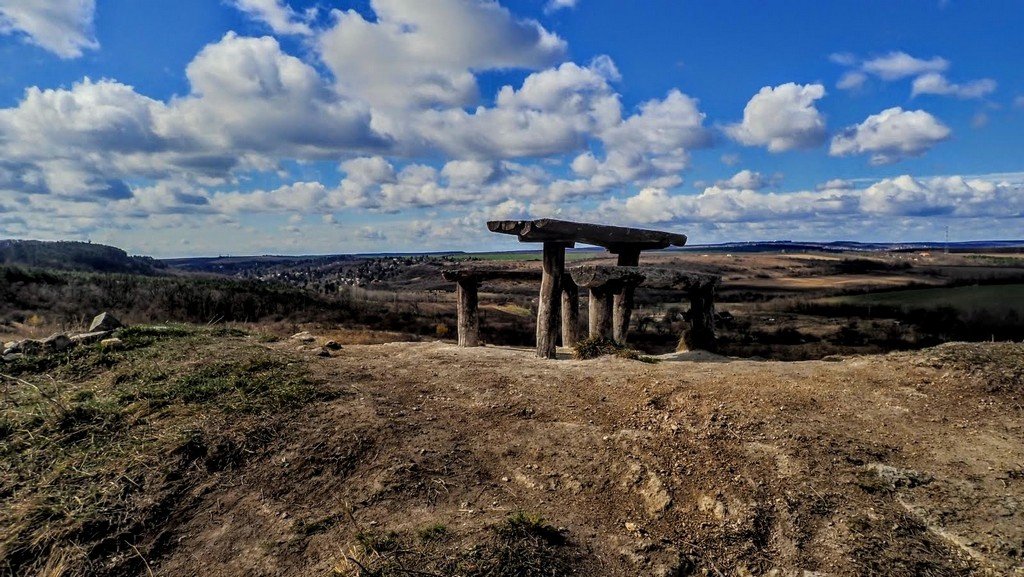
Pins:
x: 423, y: 458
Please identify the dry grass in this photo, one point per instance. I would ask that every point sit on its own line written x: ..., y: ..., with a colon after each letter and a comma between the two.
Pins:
x: 594, y: 347
x: 521, y: 545
x: 98, y: 443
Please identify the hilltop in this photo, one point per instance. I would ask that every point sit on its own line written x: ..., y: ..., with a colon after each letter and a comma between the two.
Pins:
x: 212, y: 451
x: 74, y: 256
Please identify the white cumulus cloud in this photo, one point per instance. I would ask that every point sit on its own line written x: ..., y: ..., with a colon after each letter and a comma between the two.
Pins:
x: 896, y: 65
x: 63, y: 27
x: 935, y: 83
x: 277, y: 14
x: 554, y: 5
x: 744, y: 179
x: 423, y: 54
x: 892, y: 198
x: 782, y: 118
x: 891, y: 135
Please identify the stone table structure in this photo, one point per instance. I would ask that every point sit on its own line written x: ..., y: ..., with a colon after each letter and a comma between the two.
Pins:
x: 699, y: 288
x: 468, y: 281
x: 556, y: 236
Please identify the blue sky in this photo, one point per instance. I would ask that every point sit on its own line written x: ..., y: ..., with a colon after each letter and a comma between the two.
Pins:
x: 265, y: 126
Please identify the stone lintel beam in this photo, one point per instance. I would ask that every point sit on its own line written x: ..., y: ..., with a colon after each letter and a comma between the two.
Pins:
x: 614, y: 238
x: 481, y: 274
x: 652, y: 277
x: 601, y: 276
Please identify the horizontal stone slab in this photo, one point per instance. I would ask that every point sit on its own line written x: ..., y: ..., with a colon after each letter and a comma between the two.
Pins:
x: 650, y: 277
x: 479, y: 274
x: 595, y: 276
x: 614, y: 238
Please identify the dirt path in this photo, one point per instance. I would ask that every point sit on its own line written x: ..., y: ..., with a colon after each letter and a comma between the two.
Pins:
x: 697, y: 464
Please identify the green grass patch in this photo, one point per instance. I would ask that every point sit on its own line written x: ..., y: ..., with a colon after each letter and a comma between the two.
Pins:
x: 999, y: 299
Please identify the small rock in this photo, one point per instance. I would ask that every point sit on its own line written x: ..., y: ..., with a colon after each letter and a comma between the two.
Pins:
x: 303, y: 337
x: 89, y: 338
x: 104, y: 322
x: 717, y: 508
x: 332, y: 346
x: 504, y: 479
x: 13, y: 357
x: 324, y: 352
x: 113, y: 343
x: 57, y: 343
x: 29, y: 347
x: 655, y: 496
x: 631, y: 527
x: 899, y: 478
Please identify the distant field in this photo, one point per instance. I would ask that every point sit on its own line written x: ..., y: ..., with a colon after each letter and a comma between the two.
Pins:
x: 993, y: 298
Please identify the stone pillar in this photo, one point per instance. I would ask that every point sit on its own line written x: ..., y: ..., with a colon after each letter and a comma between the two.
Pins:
x: 624, y: 300
x: 701, y: 333
x: 548, y: 305
x: 570, y: 312
x: 600, y: 308
x: 469, y: 318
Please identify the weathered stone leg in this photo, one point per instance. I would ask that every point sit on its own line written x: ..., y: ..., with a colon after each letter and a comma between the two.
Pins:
x: 624, y: 300
x: 469, y: 318
x: 601, y: 305
x: 701, y: 316
x: 570, y: 312
x: 550, y: 299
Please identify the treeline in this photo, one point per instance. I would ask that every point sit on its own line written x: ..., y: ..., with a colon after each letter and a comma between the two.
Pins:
x: 71, y: 255
x: 932, y: 325
x: 72, y: 298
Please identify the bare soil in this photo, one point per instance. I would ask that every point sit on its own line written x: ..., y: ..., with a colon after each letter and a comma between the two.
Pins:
x: 903, y: 464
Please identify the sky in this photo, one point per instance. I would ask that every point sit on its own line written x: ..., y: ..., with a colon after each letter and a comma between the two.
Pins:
x: 215, y: 127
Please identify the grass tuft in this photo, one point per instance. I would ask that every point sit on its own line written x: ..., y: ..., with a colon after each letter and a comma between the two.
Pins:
x: 595, y: 347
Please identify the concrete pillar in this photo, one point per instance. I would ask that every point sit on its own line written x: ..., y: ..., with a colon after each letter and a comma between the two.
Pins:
x: 624, y: 300
x: 701, y: 333
x: 469, y: 317
x: 570, y: 312
x: 549, y: 303
x: 600, y: 308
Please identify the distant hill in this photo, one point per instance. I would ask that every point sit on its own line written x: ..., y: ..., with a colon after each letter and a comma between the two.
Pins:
x: 76, y: 256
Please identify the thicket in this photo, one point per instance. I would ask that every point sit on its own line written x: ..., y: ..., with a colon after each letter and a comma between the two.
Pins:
x: 932, y: 324
x: 71, y: 255
x: 72, y: 298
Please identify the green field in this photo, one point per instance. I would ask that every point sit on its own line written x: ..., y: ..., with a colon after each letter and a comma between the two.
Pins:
x: 993, y: 298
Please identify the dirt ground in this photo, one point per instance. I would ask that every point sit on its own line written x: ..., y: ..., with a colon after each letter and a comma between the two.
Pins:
x: 904, y: 464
